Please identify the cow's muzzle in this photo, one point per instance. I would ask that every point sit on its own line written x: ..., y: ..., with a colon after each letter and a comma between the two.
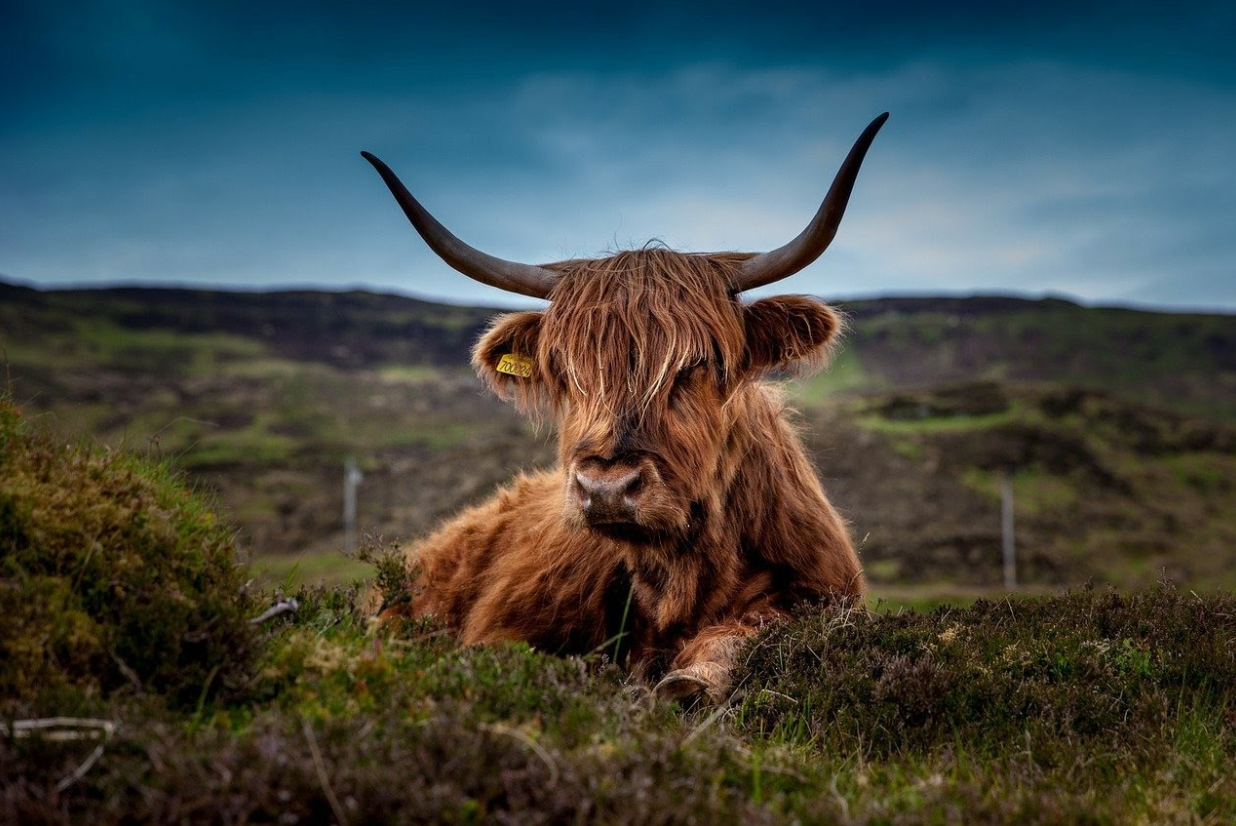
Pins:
x: 610, y: 493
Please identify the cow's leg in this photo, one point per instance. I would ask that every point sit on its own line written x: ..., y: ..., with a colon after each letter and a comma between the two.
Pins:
x: 703, y: 666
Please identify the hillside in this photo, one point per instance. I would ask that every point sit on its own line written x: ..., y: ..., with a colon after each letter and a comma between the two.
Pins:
x: 1183, y: 361
x: 1115, y: 426
x: 140, y: 684
x: 1104, y: 490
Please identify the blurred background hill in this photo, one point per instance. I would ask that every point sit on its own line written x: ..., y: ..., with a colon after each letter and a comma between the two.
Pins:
x: 1115, y: 428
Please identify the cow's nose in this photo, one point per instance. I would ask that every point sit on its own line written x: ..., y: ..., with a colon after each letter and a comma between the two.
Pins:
x: 608, y: 494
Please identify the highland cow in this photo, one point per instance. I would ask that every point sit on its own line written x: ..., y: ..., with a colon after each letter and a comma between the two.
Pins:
x: 683, y: 513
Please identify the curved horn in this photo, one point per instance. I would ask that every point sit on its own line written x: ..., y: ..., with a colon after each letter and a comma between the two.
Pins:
x: 511, y: 276
x: 810, y: 244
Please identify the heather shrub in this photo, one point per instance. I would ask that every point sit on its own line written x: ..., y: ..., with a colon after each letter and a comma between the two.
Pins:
x: 1100, y: 670
x: 113, y: 577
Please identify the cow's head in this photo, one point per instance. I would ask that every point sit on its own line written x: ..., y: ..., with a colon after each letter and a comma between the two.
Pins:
x: 642, y: 358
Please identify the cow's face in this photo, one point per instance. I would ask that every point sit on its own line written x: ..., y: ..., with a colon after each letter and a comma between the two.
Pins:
x: 642, y: 359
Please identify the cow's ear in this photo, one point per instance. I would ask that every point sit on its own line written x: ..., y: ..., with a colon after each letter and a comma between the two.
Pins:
x: 505, y: 357
x: 790, y: 332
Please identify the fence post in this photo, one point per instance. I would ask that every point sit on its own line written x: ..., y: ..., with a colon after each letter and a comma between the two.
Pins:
x: 351, y: 480
x: 1006, y: 513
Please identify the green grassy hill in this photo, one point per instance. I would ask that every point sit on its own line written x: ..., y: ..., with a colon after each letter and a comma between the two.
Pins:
x: 1115, y: 426
x: 1104, y: 489
x: 169, y: 330
x: 1181, y: 361
x: 134, y: 687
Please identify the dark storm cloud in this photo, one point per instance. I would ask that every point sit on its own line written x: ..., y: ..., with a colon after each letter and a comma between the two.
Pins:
x: 1071, y: 148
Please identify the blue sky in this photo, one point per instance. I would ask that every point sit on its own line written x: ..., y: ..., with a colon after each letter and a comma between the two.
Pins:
x: 1078, y: 149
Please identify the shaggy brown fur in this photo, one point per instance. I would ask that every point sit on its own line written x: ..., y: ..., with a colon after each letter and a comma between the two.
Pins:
x: 649, y: 365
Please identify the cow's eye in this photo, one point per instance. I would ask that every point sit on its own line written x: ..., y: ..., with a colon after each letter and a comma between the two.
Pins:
x: 685, y: 377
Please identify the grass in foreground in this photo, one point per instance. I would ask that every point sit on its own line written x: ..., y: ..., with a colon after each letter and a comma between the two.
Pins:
x: 1087, y: 707
x: 1090, y: 706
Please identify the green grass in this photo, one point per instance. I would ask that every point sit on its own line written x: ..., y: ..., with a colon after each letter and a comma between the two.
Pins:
x: 409, y: 374
x: 1081, y: 707
x: 1034, y: 492
x: 844, y: 375
x: 252, y: 445
x: 936, y: 424
x: 102, y: 343
x: 1205, y: 472
x: 292, y: 571
x: 124, y: 622
x: 1085, y: 705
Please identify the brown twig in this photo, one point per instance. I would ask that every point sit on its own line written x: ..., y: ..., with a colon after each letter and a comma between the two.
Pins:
x: 66, y: 728
x: 537, y: 748
x: 323, y: 777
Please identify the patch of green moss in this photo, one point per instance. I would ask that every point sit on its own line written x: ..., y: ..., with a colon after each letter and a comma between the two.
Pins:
x: 112, y: 576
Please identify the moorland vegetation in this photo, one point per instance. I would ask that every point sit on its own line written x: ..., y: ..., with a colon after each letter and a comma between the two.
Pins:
x: 171, y: 467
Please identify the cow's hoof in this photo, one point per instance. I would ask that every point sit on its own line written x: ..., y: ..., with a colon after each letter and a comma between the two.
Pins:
x: 680, y: 685
x: 705, y: 681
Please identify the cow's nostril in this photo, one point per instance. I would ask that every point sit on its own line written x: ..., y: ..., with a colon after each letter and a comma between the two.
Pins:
x: 581, y: 492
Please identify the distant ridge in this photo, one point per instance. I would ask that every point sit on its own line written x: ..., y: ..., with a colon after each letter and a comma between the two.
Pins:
x: 1181, y: 361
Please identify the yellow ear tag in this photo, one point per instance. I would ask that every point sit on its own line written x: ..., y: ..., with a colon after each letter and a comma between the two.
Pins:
x: 514, y: 365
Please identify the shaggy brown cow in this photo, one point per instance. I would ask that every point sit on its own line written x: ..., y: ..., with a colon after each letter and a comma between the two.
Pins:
x: 683, y: 513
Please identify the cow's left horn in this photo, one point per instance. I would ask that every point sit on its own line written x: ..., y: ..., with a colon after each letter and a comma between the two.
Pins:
x: 810, y: 244
x: 511, y: 276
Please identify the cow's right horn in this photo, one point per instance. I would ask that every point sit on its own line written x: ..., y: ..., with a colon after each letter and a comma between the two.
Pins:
x: 511, y: 276
x: 810, y: 244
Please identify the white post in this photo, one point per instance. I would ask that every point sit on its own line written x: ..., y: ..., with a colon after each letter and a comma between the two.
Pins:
x: 1010, y: 551
x: 351, y: 480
